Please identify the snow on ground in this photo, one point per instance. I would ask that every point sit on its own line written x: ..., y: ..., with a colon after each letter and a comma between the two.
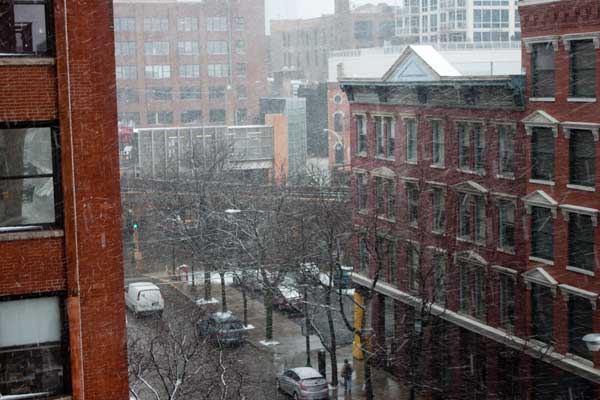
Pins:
x: 269, y: 343
x: 202, y: 302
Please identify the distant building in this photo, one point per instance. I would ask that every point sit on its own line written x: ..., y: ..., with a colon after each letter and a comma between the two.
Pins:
x: 189, y: 62
x: 62, y: 311
x: 304, y: 44
x: 294, y: 109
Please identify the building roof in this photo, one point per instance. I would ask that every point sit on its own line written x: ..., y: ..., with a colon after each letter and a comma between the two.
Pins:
x: 420, y: 63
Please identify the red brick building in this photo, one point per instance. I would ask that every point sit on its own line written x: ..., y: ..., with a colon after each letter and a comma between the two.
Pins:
x: 190, y: 62
x: 469, y: 301
x: 62, y: 315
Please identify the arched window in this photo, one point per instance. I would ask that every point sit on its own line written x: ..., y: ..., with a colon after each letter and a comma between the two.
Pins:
x: 338, y: 122
x: 339, y: 153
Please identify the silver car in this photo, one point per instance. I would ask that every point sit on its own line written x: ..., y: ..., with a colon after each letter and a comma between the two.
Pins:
x: 303, y: 383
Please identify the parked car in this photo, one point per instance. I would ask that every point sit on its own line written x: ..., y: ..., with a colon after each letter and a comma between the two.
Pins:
x: 223, y: 328
x: 248, y: 279
x: 303, y: 383
x: 144, y: 298
x: 286, y: 297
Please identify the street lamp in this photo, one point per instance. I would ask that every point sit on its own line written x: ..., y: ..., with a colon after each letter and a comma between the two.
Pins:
x: 339, y: 144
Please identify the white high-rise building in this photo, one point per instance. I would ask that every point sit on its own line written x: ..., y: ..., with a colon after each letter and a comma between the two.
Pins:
x: 472, y: 21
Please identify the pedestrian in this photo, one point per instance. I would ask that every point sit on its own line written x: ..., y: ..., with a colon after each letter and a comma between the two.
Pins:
x: 347, y: 376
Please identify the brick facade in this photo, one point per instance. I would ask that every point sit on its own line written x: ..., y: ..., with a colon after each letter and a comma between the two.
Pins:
x: 78, y: 258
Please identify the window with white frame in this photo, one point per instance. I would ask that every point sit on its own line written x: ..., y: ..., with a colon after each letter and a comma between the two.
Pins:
x: 240, y: 47
x: 190, y: 92
x: 542, y: 313
x: 218, y: 70
x: 124, y: 24
x: 156, y: 48
x: 472, y: 290
x: 241, y: 70
x: 439, y: 265
x: 412, y: 262
x: 412, y: 201
x: 464, y: 216
x: 410, y: 125
x: 581, y: 241
x: 217, y: 47
x: 379, y: 196
x: 581, y: 322
x: 361, y: 133
x: 471, y: 146
x: 506, y: 225
x: 438, y: 201
x: 361, y: 192
x: 156, y: 24
x: 542, y: 233
x: 479, y: 138
x: 127, y: 95
x: 437, y: 138
x: 189, y: 71
x: 126, y: 72
x: 125, y: 49
x: 582, y: 74
x: 507, y: 302
x: 187, y: 24
x: 158, y: 71
x: 464, y: 146
x: 506, y: 151
x: 33, y: 353
x: 543, y: 69
x: 188, y: 48
x: 216, y: 24
x: 582, y: 158
x: 159, y: 117
x: 216, y: 92
x: 471, y: 217
x: 480, y: 219
x: 542, y: 154
x: 390, y: 186
x: 159, y: 94
x: 239, y: 23
x: 384, y: 137
x: 392, y: 262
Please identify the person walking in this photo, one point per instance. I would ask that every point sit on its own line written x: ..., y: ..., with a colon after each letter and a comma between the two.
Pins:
x: 347, y: 376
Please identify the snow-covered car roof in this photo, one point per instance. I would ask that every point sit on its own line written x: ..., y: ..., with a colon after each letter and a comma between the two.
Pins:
x: 289, y: 292
x: 224, y: 316
x: 307, y: 372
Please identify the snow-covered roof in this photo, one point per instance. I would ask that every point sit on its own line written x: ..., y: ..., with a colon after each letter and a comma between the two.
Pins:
x: 435, y: 60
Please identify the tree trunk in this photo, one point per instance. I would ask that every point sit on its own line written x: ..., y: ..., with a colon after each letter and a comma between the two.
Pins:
x: 223, y: 293
x: 269, y: 314
x: 245, y: 302
x: 333, y: 340
x: 207, y: 288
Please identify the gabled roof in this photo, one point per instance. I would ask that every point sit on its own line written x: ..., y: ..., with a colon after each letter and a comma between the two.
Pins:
x: 420, y: 63
x: 470, y: 187
x: 470, y: 256
x: 540, y: 118
x: 383, y: 172
x: 540, y: 276
x: 540, y: 198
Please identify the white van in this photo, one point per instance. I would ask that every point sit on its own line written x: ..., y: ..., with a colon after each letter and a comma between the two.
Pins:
x: 144, y: 298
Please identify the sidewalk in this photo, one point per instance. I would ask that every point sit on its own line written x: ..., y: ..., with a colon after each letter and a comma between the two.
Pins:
x: 290, y: 351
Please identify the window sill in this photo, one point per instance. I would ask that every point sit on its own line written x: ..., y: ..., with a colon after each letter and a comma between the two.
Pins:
x: 435, y: 166
x: 383, y: 158
x: 542, y: 99
x: 506, y: 251
x: 362, y: 212
x: 509, y: 177
x: 471, y: 172
x: 412, y: 162
x: 541, y: 260
x: 20, y: 60
x: 464, y: 240
x: 30, y: 235
x: 439, y: 233
x: 542, y: 182
x: 580, y: 271
x: 362, y: 154
x: 384, y: 218
x: 581, y: 99
x: 581, y: 187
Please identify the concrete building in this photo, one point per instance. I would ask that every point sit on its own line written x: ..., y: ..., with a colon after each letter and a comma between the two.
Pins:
x: 482, y: 243
x: 304, y: 44
x: 472, y: 21
x: 62, y: 314
x: 189, y: 62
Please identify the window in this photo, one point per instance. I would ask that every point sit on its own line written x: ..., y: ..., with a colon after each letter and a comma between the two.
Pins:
x: 131, y: 119
x: 217, y: 47
x: 379, y: 196
x: 581, y: 242
x: 28, y: 177
x: 391, y: 137
x: 438, y: 201
x: 126, y: 72
x: 24, y: 28
x: 543, y: 70
x: 581, y: 317
x: 507, y: 302
x: 33, y: 354
x: 240, y: 47
x: 391, y: 198
x: 506, y: 225
x: 156, y: 24
x: 464, y: 216
x: 542, y: 233
x: 218, y: 70
x: 125, y: 49
x: 190, y: 92
x: 438, y: 263
x: 124, y: 24
x: 217, y: 116
x: 241, y: 69
x: 542, y: 313
x: 159, y: 94
x: 239, y: 23
x: 191, y: 117
x: 472, y: 290
x: 542, y: 154
x: 242, y: 92
x: 480, y: 216
x: 412, y: 196
x: 361, y: 192
x: 479, y: 136
x: 160, y: 117
x: 582, y: 158
x: 411, y: 140
x: 216, y: 92
x: 583, y: 69
x: 385, y: 137
x: 464, y: 147
x: 127, y: 95
x: 412, y: 261
x: 363, y: 30
x: 363, y: 254
x: 189, y: 71
x: 188, y: 48
x: 241, y: 115
x: 156, y: 48
x: 338, y: 122
x: 506, y: 151
x: 157, y: 71
x: 216, y: 24
x: 361, y: 132
x: 392, y: 265
x: 187, y: 24
x: 437, y: 133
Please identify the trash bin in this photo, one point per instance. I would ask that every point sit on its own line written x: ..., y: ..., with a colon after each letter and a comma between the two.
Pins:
x: 321, y: 358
